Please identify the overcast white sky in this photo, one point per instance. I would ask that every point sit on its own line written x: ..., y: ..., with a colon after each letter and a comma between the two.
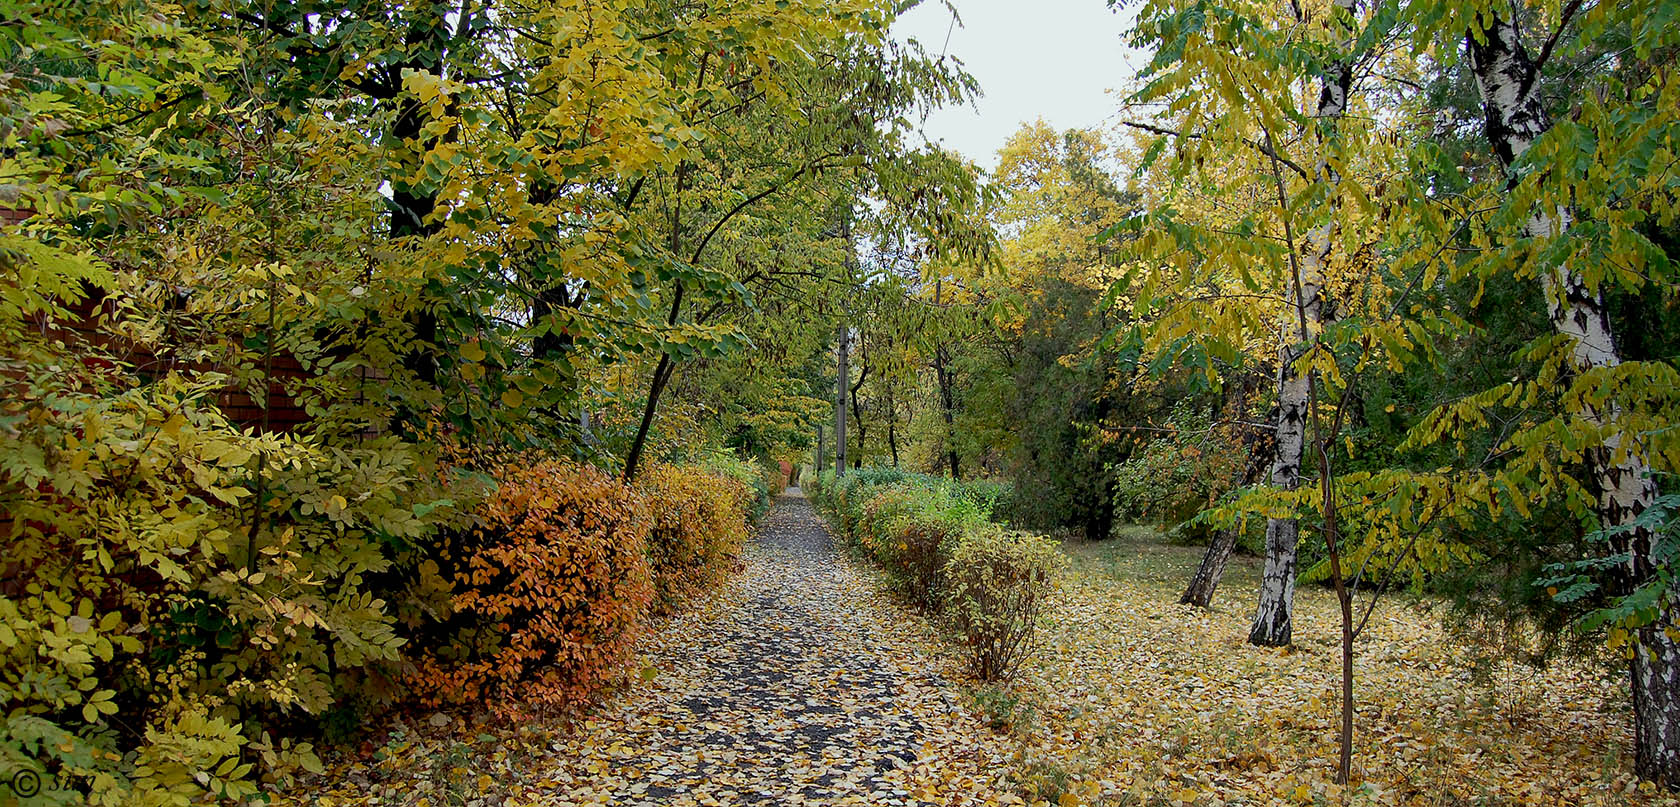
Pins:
x: 1050, y: 59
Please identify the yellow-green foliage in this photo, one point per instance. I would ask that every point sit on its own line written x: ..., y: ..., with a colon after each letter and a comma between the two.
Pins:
x: 389, y: 251
x: 874, y: 529
x: 940, y: 550
x: 698, y: 525
x: 130, y: 587
x: 910, y: 530
x: 994, y: 589
x: 749, y: 474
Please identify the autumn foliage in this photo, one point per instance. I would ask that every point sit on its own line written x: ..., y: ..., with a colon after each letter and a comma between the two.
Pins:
x: 549, y: 591
x: 911, y: 531
x: 995, y: 586
x: 939, y: 548
x: 547, y: 594
x: 697, y: 524
x: 154, y: 622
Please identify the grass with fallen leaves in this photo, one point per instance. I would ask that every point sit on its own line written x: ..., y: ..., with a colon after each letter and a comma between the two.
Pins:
x: 1133, y: 699
x: 802, y: 682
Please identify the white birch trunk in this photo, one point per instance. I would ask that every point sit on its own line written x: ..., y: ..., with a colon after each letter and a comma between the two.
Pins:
x: 1273, y: 617
x: 1507, y: 80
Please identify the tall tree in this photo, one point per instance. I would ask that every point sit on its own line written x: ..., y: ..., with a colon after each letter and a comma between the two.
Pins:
x: 842, y: 383
x: 1304, y: 293
x: 1508, y: 78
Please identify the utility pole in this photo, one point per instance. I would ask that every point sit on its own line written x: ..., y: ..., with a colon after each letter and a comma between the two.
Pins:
x: 947, y: 402
x: 842, y: 374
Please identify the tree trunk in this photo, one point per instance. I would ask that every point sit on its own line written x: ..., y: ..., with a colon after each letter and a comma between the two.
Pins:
x: 662, y: 371
x: 947, y: 397
x: 892, y: 427
x: 1099, y: 514
x: 1212, y: 568
x: 947, y: 405
x: 661, y: 374
x: 857, y: 406
x: 1273, y: 618
x: 552, y: 347
x: 1508, y: 80
x: 1102, y: 524
x: 410, y: 206
x: 409, y: 209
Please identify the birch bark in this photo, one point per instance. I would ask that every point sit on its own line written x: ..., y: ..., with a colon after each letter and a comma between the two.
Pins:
x: 1508, y: 80
x: 1273, y: 617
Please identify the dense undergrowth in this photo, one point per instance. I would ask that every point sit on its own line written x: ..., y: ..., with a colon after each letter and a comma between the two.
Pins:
x: 335, y: 339
x: 233, y: 618
x: 940, y: 548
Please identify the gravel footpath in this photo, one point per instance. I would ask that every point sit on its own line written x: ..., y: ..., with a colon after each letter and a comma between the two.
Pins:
x: 801, y: 685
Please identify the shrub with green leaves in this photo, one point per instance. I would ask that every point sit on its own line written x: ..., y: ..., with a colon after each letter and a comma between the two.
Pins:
x: 910, y: 529
x: 853, y: 491
x: 934, y: 539
x: 995, y: 586
x: 174, y: 584
x: 994, y: 497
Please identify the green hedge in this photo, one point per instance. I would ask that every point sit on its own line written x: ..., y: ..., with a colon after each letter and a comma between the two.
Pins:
x: 940, y: 548
x: 994, y: 497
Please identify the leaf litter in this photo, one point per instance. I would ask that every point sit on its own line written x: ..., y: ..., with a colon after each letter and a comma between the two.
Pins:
x: 799, y: 683
x: 1133, y: 698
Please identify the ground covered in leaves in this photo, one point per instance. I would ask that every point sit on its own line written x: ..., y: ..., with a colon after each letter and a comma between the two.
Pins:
x: 801, y: 683
x: 1134, y: 699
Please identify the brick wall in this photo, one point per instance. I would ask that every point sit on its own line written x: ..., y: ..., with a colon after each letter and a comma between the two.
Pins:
x: 284, y: 413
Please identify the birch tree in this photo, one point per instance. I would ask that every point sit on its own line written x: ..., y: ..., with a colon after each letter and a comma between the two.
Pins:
x: 1230, y: 106
x: 1572, y: 204
x: 1305, y: 291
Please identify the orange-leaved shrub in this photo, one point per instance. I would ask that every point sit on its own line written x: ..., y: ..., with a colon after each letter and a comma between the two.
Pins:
x: 698, y: 523
x: 548, y: 592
